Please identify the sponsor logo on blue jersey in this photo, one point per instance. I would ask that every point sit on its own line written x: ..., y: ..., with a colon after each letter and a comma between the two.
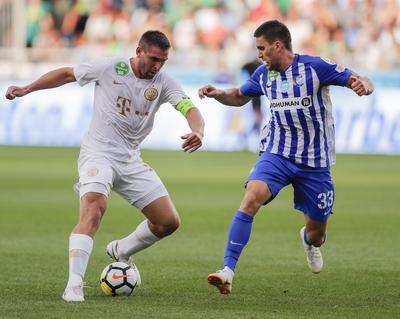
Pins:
x: 290, y: 103
x: 301, y: 124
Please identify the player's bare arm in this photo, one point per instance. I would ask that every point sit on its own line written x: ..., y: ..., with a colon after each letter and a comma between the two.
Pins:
x: 193, y: 140
x: 231, y: 97
x: 49, y: 80
x: 361, y: 85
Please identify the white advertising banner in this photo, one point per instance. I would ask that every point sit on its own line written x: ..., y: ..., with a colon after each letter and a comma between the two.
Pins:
x: 367, y: 124
x: 61, y: 116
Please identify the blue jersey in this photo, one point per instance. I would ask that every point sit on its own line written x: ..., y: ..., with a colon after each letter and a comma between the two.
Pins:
x: 301, y: 126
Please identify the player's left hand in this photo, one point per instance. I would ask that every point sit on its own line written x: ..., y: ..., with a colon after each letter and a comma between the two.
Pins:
x: 193, y: 141
x: 16, y: 91
x: 362, y: 86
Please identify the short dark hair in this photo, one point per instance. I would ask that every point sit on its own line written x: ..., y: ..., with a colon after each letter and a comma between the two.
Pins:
x: 275, y: 30
x: 156, y: 38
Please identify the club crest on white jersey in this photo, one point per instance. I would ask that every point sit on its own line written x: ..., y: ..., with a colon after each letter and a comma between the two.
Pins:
x: 124, y: 105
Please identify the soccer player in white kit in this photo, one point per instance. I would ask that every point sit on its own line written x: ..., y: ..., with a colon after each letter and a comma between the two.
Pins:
x: 128, y: 93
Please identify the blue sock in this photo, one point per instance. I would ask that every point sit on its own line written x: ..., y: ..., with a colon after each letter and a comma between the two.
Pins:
x: 239, y: 235
x: 305, y: 238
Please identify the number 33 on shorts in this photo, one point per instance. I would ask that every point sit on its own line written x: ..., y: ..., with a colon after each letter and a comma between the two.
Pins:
x: 325, y: 201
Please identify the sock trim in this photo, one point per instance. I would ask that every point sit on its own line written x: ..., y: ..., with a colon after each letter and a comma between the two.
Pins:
x: 243, y: 216
x: 305, y: 237
x: 81, y: 242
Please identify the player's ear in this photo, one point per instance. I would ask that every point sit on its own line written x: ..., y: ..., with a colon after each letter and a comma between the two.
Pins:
x: 139, y: 51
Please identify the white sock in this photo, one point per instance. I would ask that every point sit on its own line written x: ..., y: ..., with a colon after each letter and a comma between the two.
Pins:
x: 140, y: 239
x: 80, y: 248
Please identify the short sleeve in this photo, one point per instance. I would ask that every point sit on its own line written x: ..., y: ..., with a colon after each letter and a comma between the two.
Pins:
x: 172, y: 91
x: 90, y: 71
x: 252, y: 86
x: 330, y: 73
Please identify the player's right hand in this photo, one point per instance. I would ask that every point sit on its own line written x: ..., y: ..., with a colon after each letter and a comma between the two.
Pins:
x: 207, y: 91
x: 16, y: 91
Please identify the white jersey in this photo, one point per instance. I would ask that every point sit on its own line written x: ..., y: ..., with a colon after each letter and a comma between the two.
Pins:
x: 124, y: 105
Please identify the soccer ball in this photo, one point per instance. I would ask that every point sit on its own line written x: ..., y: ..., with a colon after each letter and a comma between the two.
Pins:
x: 119, y: 279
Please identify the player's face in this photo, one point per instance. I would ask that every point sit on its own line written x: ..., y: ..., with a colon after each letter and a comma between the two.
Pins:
x: 270, y: 53
x: 151, y: 60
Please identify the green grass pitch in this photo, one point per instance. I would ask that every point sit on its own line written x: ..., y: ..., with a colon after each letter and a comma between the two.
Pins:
x: 361, y: 278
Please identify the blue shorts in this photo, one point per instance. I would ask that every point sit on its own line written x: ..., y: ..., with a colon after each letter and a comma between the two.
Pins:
x: 314, y: 193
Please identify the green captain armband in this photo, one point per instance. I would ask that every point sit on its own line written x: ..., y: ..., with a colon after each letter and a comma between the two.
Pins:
x: 184, y: 106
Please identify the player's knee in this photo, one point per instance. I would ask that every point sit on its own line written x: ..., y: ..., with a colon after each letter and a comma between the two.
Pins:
x: 96, y: 208
x: 251, y: 203
x: 172, y: 225
x: 91, y: 218
x: 92, y: 214
x: 165, y: 227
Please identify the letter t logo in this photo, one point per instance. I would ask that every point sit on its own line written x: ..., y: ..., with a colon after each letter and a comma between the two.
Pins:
x: 123, y: 105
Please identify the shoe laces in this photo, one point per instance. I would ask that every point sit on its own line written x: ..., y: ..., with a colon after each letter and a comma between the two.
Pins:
x: 226, y: 275
x: 221, y: 271
x: 77, y: 290
x: 314, y: 252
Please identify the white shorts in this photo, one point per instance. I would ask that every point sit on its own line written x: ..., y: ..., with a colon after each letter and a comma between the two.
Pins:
x: 135, y: 181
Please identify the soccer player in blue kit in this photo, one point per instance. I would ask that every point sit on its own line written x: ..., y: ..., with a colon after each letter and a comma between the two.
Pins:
x: 297, y: 145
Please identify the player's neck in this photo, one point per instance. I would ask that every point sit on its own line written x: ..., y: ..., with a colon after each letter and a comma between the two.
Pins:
x: 287, y: 60
x: 135, y: 67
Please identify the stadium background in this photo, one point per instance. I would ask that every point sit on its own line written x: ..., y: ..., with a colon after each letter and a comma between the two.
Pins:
x: 212, y: 40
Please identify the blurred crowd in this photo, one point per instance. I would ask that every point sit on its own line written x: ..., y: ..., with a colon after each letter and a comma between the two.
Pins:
x: 218, y: 34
